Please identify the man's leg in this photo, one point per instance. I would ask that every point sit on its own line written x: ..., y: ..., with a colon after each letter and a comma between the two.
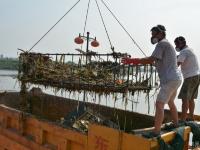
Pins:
x: 167, y: 93
x: 191, y: 109
x: 159, y: 116
x: 185, y: 106
x: 173, y: 109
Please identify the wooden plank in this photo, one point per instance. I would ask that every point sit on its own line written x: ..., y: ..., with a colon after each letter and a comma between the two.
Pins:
x: 63, y: 145
x: 21, y: 139
x: 44, y: 132
x: 76, y: 146
x: 40, y: 136
x: 9, y: 111
x: 133, y: 142
x: 103, y: 138
x: 2, y: 148
x: 169, y: 136
x: 64, y: 133
x: 10, y: 144
x: 36, y: 129
x: 11, y: 118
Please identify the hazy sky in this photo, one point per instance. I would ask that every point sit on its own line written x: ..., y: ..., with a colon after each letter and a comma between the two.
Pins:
x: 23, y: 22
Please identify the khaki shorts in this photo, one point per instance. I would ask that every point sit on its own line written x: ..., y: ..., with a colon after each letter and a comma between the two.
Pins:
x: 168, y: 91
x: 189, y: 89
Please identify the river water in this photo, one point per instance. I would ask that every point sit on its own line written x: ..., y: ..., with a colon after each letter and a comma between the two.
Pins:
x: 137, y: 102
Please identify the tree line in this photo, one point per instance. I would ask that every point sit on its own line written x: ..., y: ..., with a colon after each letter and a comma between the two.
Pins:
x: 9, y: 63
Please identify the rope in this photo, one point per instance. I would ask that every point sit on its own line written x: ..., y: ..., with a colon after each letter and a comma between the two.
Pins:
x: 124, y: 28
x: 86, y: 18
x: 104, y: 24
x: 54, y: 25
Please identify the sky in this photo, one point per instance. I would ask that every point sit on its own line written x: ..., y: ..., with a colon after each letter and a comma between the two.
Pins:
x: 24, y: 22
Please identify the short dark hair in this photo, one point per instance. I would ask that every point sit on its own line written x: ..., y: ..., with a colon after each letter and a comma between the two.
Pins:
x: 180, y: 39
x: 159, y: 28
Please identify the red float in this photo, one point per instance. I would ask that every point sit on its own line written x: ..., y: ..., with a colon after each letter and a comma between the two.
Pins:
x: 78, y: 40
x: 95, y: 43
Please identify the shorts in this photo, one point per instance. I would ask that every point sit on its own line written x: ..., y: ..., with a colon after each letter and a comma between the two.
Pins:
x: 168, y: 91
x: 189, y: 89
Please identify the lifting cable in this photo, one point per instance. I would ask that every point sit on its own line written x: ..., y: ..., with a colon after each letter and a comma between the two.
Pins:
x: 124, y: 28
x: 86, y: 18
x: 54, y: 25
x: 104, y: 25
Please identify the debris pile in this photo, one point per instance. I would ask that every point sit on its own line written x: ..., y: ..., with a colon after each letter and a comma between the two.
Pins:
x: 80, y: 119
x: 97, y: 75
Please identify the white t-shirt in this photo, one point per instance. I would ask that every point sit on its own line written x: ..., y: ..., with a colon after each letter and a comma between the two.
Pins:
x: 189, y: 63
x: 166, y: 61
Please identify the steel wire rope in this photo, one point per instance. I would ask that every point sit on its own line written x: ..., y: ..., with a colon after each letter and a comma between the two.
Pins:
x: 112, y: 48
x: 104, y: 25
x: 54, y: 25
x: 124, y: 28
x: 86, y: 18
x: 102, y: 19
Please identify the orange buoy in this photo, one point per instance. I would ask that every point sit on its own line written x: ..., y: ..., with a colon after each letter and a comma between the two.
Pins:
x: 78, y: 40
x: 119, y: 81
x: 95, y: 43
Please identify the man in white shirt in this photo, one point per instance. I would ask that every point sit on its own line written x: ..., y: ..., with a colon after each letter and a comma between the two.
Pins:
x: 191, y: 74
x: 164, y: 57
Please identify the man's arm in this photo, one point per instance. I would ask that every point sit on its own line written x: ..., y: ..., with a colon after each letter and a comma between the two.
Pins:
x: 180, y: 59
x: 147, y: 60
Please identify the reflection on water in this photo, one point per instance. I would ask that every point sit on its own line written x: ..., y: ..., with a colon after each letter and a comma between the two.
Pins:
x: 8, y: 81
x: 8, y: 72
x: 136, y: 102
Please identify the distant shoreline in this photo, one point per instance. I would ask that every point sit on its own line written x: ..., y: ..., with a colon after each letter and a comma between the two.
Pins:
x: 10, y: 64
